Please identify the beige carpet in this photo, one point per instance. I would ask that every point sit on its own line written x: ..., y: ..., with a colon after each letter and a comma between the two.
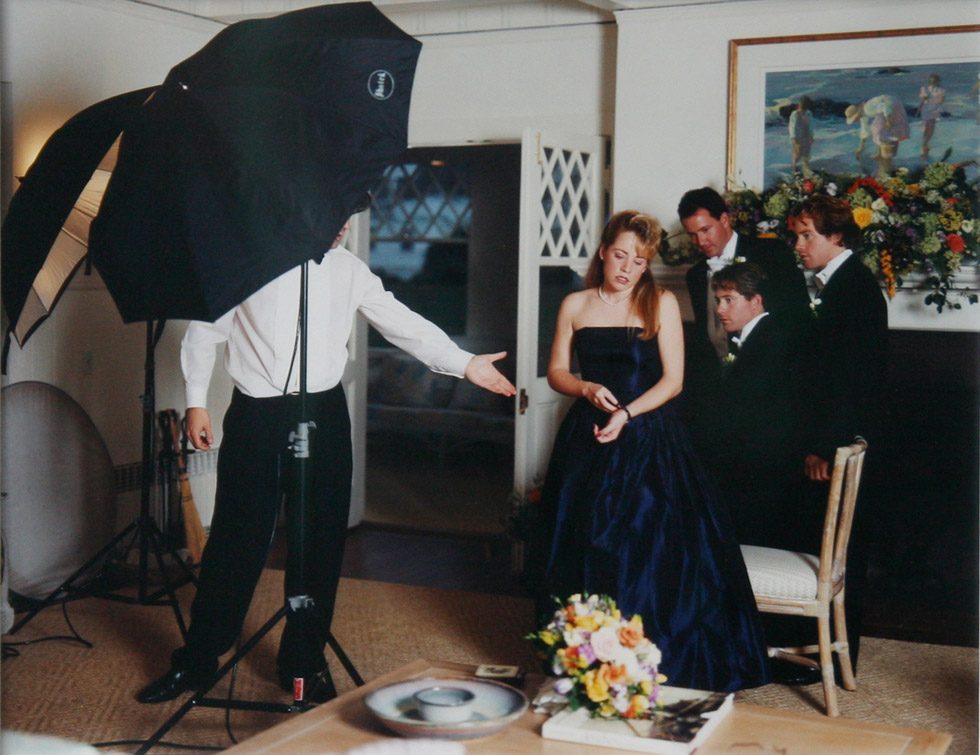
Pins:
x: 87, y: 694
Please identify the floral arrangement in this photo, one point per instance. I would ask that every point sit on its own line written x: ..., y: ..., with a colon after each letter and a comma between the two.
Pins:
x: 603, y: 662
x: 924, y: 222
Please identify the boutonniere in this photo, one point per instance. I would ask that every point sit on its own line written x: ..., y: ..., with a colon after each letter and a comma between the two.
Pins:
x: 815, y: 307
x: 740, y: 260
x: 728, y: 359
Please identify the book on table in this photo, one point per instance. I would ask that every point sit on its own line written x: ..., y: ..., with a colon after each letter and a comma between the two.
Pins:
x: 683, y: 723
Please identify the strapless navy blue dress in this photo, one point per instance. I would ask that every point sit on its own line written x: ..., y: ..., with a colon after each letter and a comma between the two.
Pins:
x: 642, y: 520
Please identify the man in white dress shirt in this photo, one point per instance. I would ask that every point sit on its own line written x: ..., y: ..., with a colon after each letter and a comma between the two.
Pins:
x: 261, y: 337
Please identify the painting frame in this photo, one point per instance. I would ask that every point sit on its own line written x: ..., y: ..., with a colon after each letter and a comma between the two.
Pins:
x: 750, y: 59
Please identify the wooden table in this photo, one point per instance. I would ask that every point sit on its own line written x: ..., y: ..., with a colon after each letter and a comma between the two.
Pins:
x: 751, y: 729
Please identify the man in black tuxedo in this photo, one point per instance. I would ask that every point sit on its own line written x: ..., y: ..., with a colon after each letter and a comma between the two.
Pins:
x: 755, y: 423
x: 757, y: 461
x: 704, y: 215
x: 844, y: 378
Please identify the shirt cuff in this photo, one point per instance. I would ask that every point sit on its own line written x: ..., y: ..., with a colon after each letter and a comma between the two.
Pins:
x: 196, y: 396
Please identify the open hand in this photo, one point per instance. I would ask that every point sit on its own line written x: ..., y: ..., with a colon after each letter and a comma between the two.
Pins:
x: 480, y: 371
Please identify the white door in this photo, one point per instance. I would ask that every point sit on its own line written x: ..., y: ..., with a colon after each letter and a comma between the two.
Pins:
x: 563, y: 207
x: 355, y: 375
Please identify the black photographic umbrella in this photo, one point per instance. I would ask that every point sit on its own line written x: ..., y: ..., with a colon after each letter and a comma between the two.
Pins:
x: 250, y: 157
x: 45, y: 231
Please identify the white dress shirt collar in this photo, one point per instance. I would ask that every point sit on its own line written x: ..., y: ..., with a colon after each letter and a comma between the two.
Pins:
x: 831, y: 267
x: 749, y: 326
x: 726, y: 257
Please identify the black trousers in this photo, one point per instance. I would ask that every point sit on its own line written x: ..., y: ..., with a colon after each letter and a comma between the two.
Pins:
x: 254, y: 466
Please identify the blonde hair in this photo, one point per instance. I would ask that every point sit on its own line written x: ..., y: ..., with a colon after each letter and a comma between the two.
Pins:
x: 645, y: 297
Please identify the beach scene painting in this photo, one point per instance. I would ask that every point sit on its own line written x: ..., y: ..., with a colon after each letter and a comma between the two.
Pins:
x: 871, y: 120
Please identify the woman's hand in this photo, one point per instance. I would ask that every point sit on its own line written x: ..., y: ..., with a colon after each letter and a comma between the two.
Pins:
x: 609, y: 433
x: 600, y: 397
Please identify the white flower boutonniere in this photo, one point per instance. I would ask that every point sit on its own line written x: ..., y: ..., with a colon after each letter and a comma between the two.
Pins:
x: 740, y: 260
x: 815, y: 307
x: 728, y: 359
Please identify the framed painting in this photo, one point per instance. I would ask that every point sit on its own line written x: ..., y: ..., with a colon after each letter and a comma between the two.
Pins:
x: 862, y: 102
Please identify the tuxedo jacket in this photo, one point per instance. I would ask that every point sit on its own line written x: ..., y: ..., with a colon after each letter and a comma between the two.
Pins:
x: 788, y: 301
x: 847, y: 352
x: 756, y: 426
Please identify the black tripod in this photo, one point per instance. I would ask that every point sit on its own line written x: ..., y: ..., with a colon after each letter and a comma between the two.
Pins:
x: 143, y: 531
x: 297, y: 598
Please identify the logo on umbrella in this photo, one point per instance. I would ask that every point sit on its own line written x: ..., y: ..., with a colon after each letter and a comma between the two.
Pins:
x: 381, y: 84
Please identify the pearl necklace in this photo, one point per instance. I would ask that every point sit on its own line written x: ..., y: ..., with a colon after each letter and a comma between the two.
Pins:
x: 610, y: 302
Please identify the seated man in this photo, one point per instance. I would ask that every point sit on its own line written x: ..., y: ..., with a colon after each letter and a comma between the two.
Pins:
x: 755, y: 426
x: 756, y: 453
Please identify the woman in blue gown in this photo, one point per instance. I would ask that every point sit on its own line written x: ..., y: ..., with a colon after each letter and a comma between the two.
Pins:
x: 630, y: 510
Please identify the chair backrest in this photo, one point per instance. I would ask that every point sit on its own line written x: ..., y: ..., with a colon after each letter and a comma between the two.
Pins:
x: 841, y: 502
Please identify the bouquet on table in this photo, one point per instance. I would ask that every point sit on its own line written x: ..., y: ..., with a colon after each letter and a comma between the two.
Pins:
x: 603, y: 662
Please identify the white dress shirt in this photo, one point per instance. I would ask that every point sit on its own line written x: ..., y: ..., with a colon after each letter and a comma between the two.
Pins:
x: 261, y: 332
x: 726, y: 258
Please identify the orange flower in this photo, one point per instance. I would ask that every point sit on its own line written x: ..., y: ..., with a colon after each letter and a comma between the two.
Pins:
x: 611, y: 674
x: 956, y: 243
x: 631, y: 635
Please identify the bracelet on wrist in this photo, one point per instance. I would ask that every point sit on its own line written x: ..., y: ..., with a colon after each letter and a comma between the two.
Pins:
x: 629, y: 416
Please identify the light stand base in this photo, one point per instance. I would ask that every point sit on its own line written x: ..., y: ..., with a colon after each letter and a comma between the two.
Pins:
x: 200, y: 699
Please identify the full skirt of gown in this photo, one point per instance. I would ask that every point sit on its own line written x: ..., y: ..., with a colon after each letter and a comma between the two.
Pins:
x: 642, y: 520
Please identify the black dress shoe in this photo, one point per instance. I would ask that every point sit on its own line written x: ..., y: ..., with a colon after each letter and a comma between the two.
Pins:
x: 318, y: 688
x: 793, y: 674
x: 170, y: 685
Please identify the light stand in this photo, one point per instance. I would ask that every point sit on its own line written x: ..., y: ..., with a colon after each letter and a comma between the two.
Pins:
x: 297, y: 599
x: 143, y: 529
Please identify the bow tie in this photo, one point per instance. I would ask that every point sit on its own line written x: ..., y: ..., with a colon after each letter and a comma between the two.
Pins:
x: 735, y: 342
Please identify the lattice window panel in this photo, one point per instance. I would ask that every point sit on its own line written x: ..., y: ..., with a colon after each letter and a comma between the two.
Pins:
x: 566, y: 207
x: 421, y: 202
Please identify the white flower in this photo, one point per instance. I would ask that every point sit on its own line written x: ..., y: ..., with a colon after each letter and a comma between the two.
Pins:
x: 728, y: 359
x: 739, y: 260
x: 605, y: 643
x: 814, y: 306
x: 967, y: 225
x: 832, y: 189
x: 564, y: 685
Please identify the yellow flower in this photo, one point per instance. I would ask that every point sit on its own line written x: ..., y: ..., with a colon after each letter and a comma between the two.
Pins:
x: 595, y: 687
x: 587, y: 622
x: 646, y: 687
x: 548, y: 638
x: 639, y: 704
x: 607, y: 710
x: 862, y: 216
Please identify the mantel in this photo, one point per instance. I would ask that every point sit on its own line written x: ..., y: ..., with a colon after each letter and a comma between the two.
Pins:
x: 907, y: 311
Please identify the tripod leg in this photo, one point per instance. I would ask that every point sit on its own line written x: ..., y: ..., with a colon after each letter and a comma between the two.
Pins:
x: 65, y: 586
x: 168, y: 587
x: 344, y: 659
x: 199, y: 695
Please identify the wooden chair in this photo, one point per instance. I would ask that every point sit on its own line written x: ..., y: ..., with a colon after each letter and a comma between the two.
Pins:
x: 801, y: 584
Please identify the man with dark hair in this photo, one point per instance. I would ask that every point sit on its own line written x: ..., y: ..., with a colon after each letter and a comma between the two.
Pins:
x: 755, y: 423
x: 705, y: 217
x: 757, y: 411
x: 844, y: 378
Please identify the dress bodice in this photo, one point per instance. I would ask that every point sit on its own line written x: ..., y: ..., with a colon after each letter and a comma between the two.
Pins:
x: 619, y: 359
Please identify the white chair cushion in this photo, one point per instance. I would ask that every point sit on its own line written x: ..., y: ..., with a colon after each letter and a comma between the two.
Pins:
x: 777, y: 573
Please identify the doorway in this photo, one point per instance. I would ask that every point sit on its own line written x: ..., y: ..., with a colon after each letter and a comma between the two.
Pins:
x: 444, y: 240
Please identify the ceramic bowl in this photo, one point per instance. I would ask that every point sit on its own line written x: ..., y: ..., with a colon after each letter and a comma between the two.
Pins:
x: 444, y: 705
x: 494, y: 707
